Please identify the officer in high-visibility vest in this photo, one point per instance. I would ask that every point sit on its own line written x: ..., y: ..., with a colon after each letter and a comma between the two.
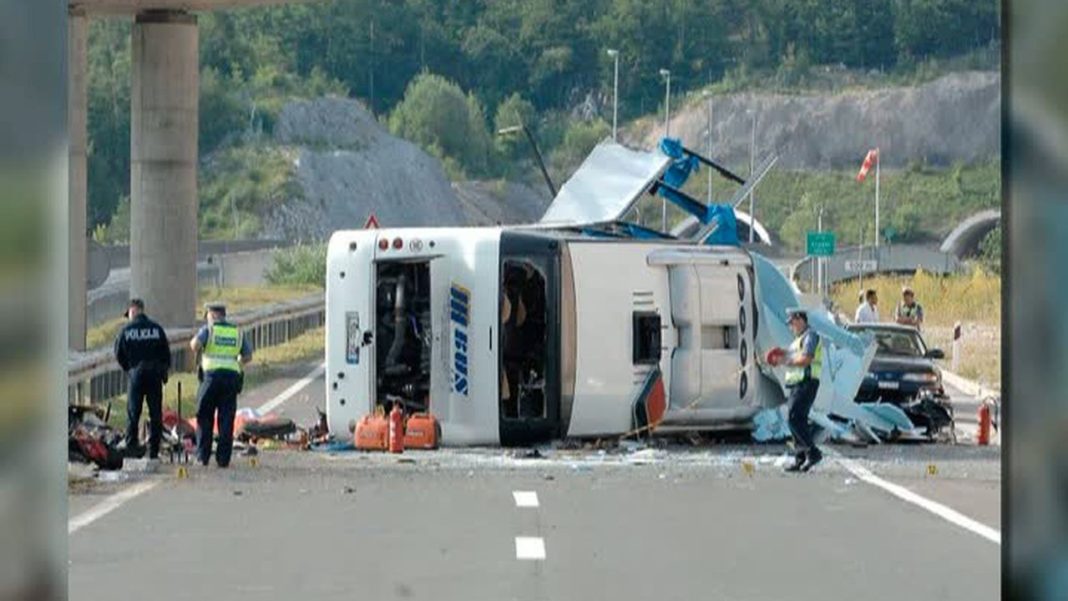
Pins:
x: 223, y: 350
x: 803, y: 363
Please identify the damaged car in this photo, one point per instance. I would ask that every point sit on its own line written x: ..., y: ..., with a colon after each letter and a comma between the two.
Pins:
x: 903, y: 373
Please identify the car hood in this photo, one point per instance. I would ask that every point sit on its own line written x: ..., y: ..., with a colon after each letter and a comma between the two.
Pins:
x: 883, y: 363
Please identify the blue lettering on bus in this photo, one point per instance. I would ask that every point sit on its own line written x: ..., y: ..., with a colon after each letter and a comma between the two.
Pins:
x: 460, y: 316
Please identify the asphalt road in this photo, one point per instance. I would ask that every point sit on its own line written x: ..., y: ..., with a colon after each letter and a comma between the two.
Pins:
x: 711, y: 522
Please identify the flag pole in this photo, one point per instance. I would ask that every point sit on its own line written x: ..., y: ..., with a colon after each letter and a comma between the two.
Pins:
x: 877, y: 158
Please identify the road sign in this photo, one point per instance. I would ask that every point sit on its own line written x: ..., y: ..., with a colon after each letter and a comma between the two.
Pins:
x: 858, y: 266
x: 371, y: 223
x: 821, y: 244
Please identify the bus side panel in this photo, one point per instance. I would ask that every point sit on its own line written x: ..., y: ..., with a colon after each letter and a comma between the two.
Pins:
x: 464, y: 368
x: 612, y: 281
x: 349, y: 315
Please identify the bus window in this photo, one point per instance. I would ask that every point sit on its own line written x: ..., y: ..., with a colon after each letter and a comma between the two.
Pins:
x: 524, y: 338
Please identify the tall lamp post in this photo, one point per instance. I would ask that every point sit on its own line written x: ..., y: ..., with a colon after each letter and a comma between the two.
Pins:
x: 708, y: 97
x: 667, y: 132
x: 752, y: 167
x: 615, y: 91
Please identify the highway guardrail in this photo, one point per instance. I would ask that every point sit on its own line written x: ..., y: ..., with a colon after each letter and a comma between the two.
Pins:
x: 94, y: 375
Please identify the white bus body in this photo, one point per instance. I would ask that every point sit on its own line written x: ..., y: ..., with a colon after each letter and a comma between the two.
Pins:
x: 521, y: 335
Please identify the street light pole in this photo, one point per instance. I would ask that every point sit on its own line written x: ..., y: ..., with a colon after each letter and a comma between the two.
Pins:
x: 667, y: 101
x: 615, y: 92
x: 667, y: 132
x: 752, y: 167
x: 708, y: 96
x: 820, y: 264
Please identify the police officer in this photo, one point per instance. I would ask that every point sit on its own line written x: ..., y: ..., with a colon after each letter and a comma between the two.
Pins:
x: 143, y: 352
x: 223, y: 351
x: 803, y: 363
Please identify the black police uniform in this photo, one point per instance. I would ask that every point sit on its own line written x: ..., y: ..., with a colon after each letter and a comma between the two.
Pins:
x: 142, y: 350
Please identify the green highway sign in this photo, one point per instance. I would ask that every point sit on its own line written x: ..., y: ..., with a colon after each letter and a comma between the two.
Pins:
x: 821, y: 244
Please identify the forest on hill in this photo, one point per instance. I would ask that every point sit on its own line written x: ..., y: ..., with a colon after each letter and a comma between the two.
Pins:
x: 447, y: 74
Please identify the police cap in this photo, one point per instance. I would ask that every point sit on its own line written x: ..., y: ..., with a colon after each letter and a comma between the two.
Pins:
x: 796, y: 312
x: 216, y: 307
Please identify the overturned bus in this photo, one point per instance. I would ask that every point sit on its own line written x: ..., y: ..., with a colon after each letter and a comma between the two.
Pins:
x: 582, y: 325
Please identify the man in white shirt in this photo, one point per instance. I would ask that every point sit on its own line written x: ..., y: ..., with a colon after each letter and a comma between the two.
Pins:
x: 868, y: 312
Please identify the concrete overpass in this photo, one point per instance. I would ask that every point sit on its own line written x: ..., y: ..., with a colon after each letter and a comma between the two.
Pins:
x: 964, y: 240
x: 896, y: 258
x: 164, y: 120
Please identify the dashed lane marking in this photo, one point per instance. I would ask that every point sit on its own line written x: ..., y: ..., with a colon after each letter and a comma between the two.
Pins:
x: 530, y: 548
x: 525, y: 498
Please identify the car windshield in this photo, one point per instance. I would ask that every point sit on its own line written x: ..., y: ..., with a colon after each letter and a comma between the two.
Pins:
x: 897, y: 343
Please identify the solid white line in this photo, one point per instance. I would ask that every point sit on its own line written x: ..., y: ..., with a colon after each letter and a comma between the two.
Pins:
x: 529, y: 547
x: 109, y: 504
x: 946, y: 513
x: 292, y: 390
x: 525, y: 498
x: 118, y: 499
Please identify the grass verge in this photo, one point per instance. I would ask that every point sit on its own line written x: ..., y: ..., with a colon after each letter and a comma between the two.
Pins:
x: 236, y: 299
x: 973, y: 299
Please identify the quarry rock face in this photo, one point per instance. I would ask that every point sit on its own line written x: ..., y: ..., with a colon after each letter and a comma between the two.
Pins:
x: 954, y: 118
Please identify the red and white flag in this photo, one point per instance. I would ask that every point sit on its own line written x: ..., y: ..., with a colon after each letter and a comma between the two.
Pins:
x: 869, y: 160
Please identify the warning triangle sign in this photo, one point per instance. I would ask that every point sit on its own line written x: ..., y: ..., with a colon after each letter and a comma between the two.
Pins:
x: 371, y: 223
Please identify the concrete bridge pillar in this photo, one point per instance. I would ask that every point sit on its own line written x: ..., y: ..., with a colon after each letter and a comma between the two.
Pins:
x: 77, y: 36
x: 163, y: 165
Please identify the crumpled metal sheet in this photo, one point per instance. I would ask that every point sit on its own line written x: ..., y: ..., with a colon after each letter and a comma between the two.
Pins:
x: 846, y: 358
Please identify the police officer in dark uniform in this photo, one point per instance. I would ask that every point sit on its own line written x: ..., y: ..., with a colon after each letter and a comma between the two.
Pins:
x: 223, y: 350
x: 143, y: 352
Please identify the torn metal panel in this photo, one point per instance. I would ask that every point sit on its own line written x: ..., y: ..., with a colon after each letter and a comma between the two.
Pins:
x: 607, y: 184
x: 846, y: 357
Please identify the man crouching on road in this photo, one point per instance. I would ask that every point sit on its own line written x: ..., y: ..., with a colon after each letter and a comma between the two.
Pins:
x: 803, y: 362
x: 224, y: 350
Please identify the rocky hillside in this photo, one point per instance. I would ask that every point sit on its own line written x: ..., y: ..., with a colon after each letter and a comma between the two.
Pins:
x: 954, y: 118
x: 348, y: 167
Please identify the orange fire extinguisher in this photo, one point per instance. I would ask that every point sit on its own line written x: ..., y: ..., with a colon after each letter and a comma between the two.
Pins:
x: 396, y: 429
x: 983, y: 437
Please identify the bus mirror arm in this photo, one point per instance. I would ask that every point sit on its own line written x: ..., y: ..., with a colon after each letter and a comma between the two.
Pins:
x: 367, y: 337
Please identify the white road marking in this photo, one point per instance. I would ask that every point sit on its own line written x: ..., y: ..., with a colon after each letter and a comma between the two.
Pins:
x: 529, y: 547
x: 109, y: 504
x: 525, y: 498
x: 950, y: 515
x: 286, y: 394
x: 118, y: 499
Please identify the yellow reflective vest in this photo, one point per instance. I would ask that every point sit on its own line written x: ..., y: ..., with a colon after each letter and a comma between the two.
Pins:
x: 795, y: 374
x: 223, y: 349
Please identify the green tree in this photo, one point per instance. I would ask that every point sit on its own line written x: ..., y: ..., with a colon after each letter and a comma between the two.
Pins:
x: 437, y: 115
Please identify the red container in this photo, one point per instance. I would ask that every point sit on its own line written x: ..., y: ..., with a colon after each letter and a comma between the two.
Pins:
x: 372, y: 433
x: 396, y: 430
x: 422, y: 432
